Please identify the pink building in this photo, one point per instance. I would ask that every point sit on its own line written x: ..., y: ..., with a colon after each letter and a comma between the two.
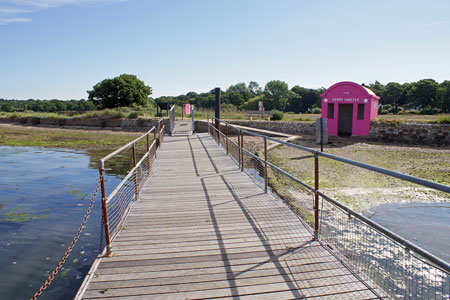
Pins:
x: 349, y: 108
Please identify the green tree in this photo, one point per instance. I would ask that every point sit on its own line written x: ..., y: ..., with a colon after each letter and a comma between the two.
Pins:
x: 233, y: 97
x: 295, y: 103
x: 392, y: 94
x: 422, y: 94
x: 304, y: 100
x: 123, y: 90
x: 276, y: 95
x: 6, y: 107
x: 443, y: 96
x: 254, y: 88
x: 377, y: 88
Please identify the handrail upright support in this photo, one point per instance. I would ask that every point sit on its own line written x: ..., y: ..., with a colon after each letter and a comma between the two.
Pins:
x: 156, y: 145
x: 266, y: 182
x: 242, y: 151
x: 239, y: 146
x: 218, y: 132
x: 226, y: 136
x: 109, y: 252
x: 135, y: 171
x: 148, y: 151
x: 316, y: 197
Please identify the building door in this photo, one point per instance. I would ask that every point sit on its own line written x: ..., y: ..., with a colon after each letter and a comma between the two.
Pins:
x: 345, y: 119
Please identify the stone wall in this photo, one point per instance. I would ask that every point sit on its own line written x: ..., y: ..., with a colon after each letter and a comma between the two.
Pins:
x: 294, y: 128
x: 201, y: 126
x: 411, y: 133
x: 86, y: 123
x: 407, y: 133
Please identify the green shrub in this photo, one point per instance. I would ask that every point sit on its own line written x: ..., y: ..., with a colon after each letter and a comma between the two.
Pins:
x: 428, y: 110
x: 228, y: 107
x: 443, y: 120
x: 35, y: 121
x: 133, y: 115
x: 301, y: 119
x: 277, y: 115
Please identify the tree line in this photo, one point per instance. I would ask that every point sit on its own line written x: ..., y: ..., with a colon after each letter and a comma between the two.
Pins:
x: 53, y: 105
x: 275, y: 96
x: 425, y: 96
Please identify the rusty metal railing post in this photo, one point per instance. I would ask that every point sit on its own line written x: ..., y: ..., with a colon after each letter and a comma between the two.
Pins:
x: 242, y: 152
x: 226, y: 135
x: 148, y: 153
x: 207, y: 123
x: 109, y: 252
x: 266, y: 182
x: 239, y: 146
x: 135, y: 171
x: 316, y: 196
x: 154, y: 137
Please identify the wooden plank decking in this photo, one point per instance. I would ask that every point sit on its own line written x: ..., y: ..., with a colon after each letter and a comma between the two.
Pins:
x: 203, y: 230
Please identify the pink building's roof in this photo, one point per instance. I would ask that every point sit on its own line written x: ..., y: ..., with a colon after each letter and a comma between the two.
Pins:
x: 368, y: 91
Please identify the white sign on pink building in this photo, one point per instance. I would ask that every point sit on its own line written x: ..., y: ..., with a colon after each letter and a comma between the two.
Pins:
x: 349, y: 108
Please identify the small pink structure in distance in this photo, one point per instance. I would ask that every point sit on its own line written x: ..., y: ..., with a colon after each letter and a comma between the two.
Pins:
x: 349, y: 108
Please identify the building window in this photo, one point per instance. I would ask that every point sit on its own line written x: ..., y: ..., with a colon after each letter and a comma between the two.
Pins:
x: 361, y: 111
x: 330, y: 110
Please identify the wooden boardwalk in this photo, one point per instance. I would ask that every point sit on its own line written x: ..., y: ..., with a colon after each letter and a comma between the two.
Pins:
x: 204, y: 230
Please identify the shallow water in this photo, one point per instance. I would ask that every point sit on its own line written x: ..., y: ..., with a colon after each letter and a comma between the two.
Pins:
x: 44, y: 194
x: 425, y: 224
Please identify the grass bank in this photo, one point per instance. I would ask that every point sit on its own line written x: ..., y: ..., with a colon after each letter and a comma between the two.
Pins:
x: 14, y: 135
x: 201, y: 114
x: 361, y: 189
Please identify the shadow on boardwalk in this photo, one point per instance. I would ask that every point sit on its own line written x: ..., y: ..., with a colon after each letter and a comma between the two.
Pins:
x: 203, y: 230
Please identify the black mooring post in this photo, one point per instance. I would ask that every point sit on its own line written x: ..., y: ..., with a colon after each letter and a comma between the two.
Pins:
x: 217, y: 108
x: 217, y: 113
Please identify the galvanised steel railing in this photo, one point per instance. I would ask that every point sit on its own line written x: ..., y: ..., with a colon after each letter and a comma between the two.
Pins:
x: 397, y: 268
x: 116, y: 205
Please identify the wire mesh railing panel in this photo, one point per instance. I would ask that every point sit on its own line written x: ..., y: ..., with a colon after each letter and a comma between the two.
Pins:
x: 233, y: 147
x: 119, y: 202
x: 137, y: 157
x: 254, y: 166
x: 399, y: 272
x: 128, y: 190
x: 299, y: 198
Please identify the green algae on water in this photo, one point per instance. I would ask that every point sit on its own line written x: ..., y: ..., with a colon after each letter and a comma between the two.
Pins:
x: 17, y: 214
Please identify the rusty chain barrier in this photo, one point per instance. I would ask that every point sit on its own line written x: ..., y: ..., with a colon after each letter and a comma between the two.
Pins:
x: 69, y: 249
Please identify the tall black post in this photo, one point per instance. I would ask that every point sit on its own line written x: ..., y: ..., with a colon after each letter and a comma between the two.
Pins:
x: 217, y: 107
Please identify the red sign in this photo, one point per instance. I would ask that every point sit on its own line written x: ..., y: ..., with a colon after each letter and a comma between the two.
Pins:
x: 188, y: 109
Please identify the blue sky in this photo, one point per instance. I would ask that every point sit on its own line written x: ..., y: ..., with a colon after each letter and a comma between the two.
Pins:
x: 62, y: 48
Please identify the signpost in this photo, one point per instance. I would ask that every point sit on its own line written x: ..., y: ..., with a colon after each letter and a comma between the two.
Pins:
x: 260, y: 105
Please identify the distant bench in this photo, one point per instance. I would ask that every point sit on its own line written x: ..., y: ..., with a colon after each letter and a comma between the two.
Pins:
x: 258, y: 113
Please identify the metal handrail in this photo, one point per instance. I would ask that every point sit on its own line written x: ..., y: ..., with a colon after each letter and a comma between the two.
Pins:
x: 121, y: 149
x: 130, y: 173
x: 441, y: 264
x: 158, y: 136
x: 413, y: 179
